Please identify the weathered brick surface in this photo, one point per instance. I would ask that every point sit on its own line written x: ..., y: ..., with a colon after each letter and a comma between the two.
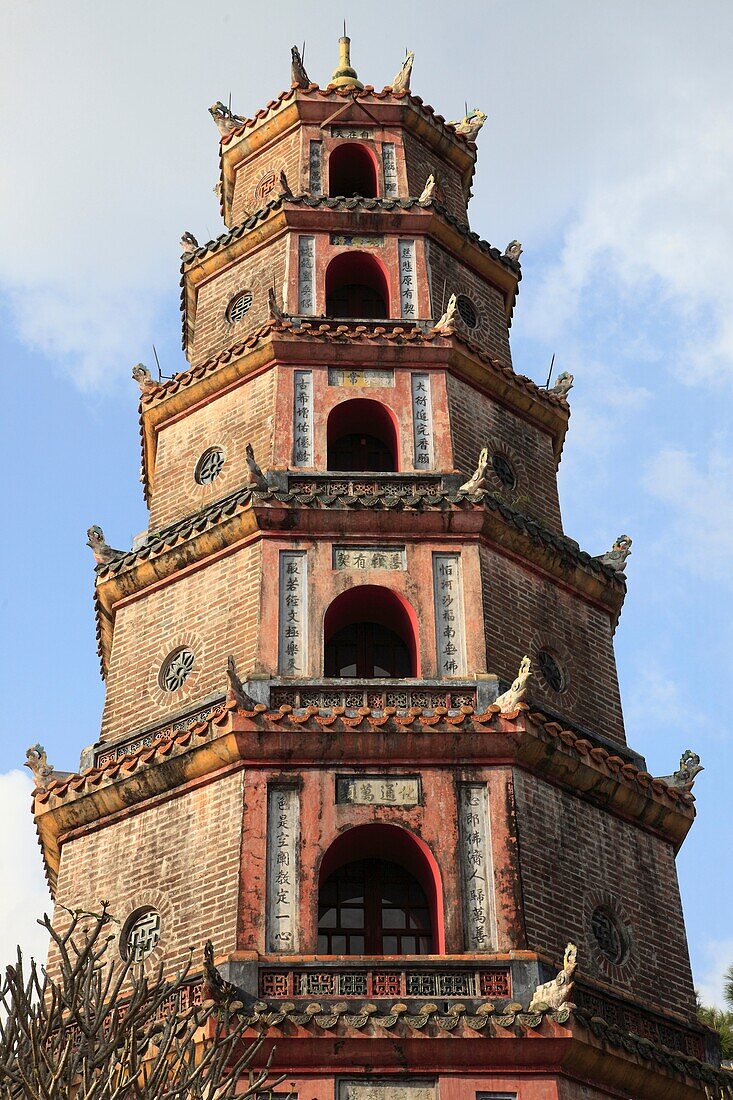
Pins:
x: 256, y: 272
x: 149, y: 858
x: 449, y: 276
x: 213, y: 611
x: 523, y: 613
x: 571, y: 853
x: 420, y: 161
x: 258, y: 178
x: 478, y: 421
x: 231, y: 421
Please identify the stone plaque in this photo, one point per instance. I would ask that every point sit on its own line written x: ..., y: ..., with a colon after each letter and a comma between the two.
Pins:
x: 356, y: 241
x: 389, y: 170
x: 477, y: 872
x: 303, y: 418
x: 315, y: 160
x: 372, y: 376
x: 351, y: 132
x: 369, y: 557
x: 378, y: 790
x: 408, y: 286
x: 422, y: 421
x: 293, y: 613
x: 283, y: 818
x: 306, y: 275
x: 414, y: 1088
x: 450, y: 642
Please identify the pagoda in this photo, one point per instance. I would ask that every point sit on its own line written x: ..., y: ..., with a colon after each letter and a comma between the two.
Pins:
x: 362, y: 727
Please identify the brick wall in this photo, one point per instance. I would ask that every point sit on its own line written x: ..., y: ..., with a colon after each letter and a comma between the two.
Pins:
x: 420, y: 161
x: 258, y: 178
x: 231, y: 421
x: 571, y: 854
x: 523, y: 613
x: 181, y: 857
x: 448, y: 274
x: 213, y: 611
x: 256, y: 272
x: 477, y: 421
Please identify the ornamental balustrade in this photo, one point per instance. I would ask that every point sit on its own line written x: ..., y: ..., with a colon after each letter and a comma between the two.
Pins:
x: 492, y: 984
x: 365, y: 484
x: 375, y: 695
x: 630, y: 1018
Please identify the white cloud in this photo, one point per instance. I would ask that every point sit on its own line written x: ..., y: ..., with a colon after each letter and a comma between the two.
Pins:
x: 24, y: 897
x: 699, y: 493
x: 717, y: 956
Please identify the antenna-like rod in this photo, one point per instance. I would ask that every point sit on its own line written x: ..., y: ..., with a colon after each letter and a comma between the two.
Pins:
x: 302, y: 52
x: 549, y: 376
x: 157, y: 363
x: 344, y: 28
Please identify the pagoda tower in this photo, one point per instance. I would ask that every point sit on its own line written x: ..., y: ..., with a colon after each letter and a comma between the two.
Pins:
x: 362, y: 726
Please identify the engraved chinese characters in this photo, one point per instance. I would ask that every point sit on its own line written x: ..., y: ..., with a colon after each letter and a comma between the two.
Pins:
x: 370, y: 376
x: 315, y: 158
x: 414, y: 1089
x: 477, y: 873
x: 283, y: 823
x: 378, y: 790
x: 369, y: 557
x: 450, y: 642
x: 303, y: 418
x: 408, y: 290
x: 389, y: 169
x: 306, y: 274
x: 293, y: 619
x: 422, y: 421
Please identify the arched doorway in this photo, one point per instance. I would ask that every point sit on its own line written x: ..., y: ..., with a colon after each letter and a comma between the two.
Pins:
x: 370, y: 632
x: 352, y: 170
x: 362, y: 437
x: 356, y: 287
x: 369, y: 905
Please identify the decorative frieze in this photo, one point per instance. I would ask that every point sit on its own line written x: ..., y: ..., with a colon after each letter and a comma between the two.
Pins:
x: 306, y: 275
x: 371, y: 376
x: 408, y: 285
x: 378, y: 790
x: 357, y: 240
x: 422, y: 421
x: 303, y: 418
x: 369, y: 557
x: 315, y: 168
x: 283, y: 823
x: 477, y: 872
x: 389, y: 170
x: 347, y: 485
x: 293, y: 614
x: 450, y: 639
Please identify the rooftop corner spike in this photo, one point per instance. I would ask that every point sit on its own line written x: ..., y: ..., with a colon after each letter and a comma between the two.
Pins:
x: 344, y: 76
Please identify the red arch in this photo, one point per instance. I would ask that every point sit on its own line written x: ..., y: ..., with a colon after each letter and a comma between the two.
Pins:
x: 357, y: 281
x: 380, y: 840
x: 352, y: 170
x: 361, y: 414
x: 377, y: 604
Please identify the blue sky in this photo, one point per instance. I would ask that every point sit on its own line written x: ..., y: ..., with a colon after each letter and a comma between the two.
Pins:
x: 608, y: 152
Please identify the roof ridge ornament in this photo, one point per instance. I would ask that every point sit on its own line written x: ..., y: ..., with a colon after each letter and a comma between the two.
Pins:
x: 344, y: 76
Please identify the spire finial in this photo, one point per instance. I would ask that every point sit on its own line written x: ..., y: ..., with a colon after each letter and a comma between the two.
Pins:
x: 344, y: 76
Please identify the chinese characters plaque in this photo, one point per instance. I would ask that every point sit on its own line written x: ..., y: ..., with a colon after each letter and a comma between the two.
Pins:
x: 408, y: 290
x: 293, y: 617
x: 303, y: 418
x: 477, y: 873
x: 450, y: 641
x: 282, y: 868
x: 422, y: 421
x: 306, y: 274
